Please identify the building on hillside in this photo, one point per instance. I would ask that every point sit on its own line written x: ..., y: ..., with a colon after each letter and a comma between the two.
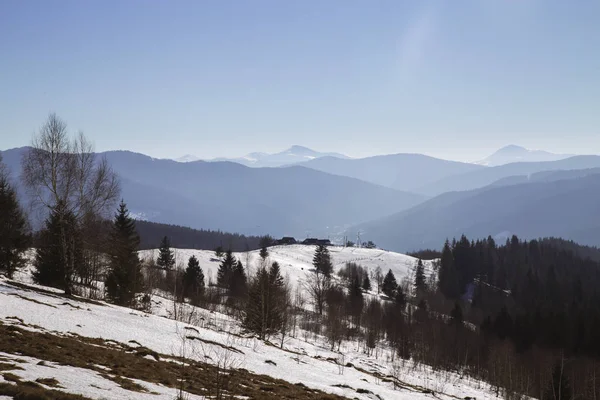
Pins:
x: 286, y: 240
x: 315, y: 241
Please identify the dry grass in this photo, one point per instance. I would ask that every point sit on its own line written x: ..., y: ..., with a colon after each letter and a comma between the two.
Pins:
x: 122, y: 363
x: 33, y: 391
x: 49, y: 382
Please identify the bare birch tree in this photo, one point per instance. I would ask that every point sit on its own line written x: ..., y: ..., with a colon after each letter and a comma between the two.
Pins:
x: 58, y: 170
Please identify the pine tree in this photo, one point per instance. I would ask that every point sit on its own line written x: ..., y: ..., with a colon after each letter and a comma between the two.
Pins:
x: 448, y: 275
x: 166, y: 257
x: 420, y: 279
x: 264, y: 309
x: 355, y: 300
x: 400, y: 298
x: 275, y: 277
x: 389, y: 284
x: 239, y: 284
x: 225, y: 272
x: 265, y: 242
x: 14, y: 238
x: 57, y: 239
x: 219, y: 252
x: 366, y: 284
x: 322, y: 261
x: 193, y: 281
x: 124, y: 278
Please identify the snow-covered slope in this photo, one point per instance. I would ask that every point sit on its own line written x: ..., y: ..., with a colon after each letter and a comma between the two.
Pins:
x: 305, y: 358
x: 296, y: 260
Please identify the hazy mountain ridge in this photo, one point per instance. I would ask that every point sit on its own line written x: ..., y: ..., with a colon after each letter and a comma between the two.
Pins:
x: 488, y: 175
x: 231, y: 197
x: 513, y: 153
x: 293, y: 155
x: 397, y: 171
x: 566, y: 208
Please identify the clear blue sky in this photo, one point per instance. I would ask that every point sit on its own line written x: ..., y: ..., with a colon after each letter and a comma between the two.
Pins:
x: 454, y: 79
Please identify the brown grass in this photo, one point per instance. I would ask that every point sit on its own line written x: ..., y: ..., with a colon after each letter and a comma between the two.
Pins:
x: 33, y: 391
x: 126, y: 363
x: 49, y: 382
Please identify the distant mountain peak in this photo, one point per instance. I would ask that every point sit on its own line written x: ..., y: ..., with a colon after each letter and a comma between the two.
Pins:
x: 188, y: 158
x: 513, y: 153
x: 296, y: 149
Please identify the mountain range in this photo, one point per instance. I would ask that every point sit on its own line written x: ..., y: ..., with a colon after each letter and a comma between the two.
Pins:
x: 512, y: 153
x: 293, y: 155
x: 402, y: 202
x: 228, y: 196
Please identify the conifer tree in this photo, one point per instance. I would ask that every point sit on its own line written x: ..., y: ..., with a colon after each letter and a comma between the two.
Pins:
x: 420, y: 279
x: 400, y: 298
x: 322, y: 261
x: 265, y: 242
x: 275, y: 277
x: 166, y: 257
x: 448, y: 275
x: 389, y: 284
x: 14, y: 237
x: 239, y: 284
x: 264, y: 309
x: 366, y: 284
x: 58, y: 241
x: 124, y: 278
x: 193, y: 281
x: 355, y: 300
x: 225, y: 272
x: 219, y: 252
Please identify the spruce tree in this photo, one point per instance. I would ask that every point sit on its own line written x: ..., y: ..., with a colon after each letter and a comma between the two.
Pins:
x: 355, y: 300
x: 125, y: 277
x: 265, y: 307
x: 400, y: 298
x: 225, y: 272
x: 275, y: 277
x: 58, y: 242
x: 420, y: 279
x: 238, y: 286
x: 389, y: 284
x: 265, y: 242
x: 193, y: 281
x: 166, y: 257
x: 14, y: 237
x: 322, y: 261
x: 448, y: 280
x: 219, y: 252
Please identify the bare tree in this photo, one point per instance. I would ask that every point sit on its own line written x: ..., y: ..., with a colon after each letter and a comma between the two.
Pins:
x: 60, y: 171
x: 317, y: 286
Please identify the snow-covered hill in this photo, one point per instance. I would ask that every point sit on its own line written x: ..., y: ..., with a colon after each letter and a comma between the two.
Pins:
x: 156, y: 339
x: 296, y: 260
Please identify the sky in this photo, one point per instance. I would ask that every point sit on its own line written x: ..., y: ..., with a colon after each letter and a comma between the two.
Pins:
x: 452, y: 79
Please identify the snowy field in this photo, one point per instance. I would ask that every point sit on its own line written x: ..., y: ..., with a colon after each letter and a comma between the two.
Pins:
x: 296, y: 260
x: 305, y: 359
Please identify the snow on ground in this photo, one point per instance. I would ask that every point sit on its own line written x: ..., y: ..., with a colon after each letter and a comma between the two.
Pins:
x: 304, y: 361
x: 85, y: 382
x: 296, y: 260
x: 305, y: 358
